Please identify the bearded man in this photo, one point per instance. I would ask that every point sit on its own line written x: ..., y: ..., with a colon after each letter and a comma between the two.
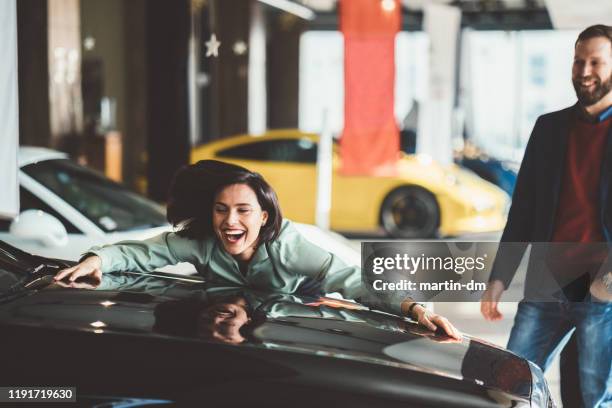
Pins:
x: 564, y: 194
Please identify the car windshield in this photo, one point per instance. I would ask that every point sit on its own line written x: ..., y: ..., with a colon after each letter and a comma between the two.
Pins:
x: 21, y: 272
x: 10, y: 282
x: 16, y: 268
x: 109, y: 205
x: 11, y: 275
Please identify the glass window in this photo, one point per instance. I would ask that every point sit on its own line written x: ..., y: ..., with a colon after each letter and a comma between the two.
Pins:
x: 28, y: 201
x: 107, y: 204
x: 321, y: 79
x: 512, y: 78
x: 282, y: 150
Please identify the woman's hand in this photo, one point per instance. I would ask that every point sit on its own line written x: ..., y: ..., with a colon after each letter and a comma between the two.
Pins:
x: 433, y: 321
x: 90, y: 266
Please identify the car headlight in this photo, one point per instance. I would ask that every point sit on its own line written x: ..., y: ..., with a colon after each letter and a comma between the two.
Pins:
x: 451, y: 179
x: 540, y: 394
x: 482, y: 204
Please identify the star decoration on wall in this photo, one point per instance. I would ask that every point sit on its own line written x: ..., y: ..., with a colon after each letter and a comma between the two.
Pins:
x: 212, y: 46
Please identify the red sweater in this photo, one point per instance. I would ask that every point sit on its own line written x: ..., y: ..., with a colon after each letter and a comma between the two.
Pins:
x: 578, y: 212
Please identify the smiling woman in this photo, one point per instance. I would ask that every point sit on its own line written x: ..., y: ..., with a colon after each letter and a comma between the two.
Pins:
x: 229, y: 226
x: 244, y: 208
x: 237, y: 220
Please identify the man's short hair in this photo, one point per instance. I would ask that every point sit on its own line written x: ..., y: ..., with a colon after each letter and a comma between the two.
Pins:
x: 594, y: 31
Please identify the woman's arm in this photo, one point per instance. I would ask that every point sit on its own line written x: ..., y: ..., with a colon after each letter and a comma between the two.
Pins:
x: 142, y: 256
x: 295, y: 254
x: 336, y: 276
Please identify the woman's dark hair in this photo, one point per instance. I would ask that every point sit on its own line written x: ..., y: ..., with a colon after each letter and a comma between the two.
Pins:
x: 595, y: 31
x: 193, y: 191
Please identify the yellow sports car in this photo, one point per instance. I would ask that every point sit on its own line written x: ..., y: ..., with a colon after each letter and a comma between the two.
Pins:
x: 424, y: 199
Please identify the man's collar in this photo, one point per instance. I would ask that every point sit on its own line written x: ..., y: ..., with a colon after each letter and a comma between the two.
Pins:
x: 607, y: 114
x: 584, y: 115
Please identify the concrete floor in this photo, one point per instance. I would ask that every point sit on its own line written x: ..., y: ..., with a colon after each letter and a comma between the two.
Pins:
x: 467, y: 318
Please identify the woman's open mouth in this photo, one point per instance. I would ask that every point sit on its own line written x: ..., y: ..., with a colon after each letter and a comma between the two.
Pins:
x: 223, y: 311
x: 233, y: 236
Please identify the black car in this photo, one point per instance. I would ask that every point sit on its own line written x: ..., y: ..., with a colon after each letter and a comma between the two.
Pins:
x: 157, y: 339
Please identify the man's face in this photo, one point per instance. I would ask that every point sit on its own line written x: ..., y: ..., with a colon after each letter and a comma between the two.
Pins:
x: 592, y: 70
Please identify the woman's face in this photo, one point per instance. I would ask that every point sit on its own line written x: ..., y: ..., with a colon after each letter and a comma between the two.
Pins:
x: 237, y: 220
x: 222, y: 322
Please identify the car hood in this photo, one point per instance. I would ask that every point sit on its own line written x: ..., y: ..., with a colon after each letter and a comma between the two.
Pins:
x: 184, y: 309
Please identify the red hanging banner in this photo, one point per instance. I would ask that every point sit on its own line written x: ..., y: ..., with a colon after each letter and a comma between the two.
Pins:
x: 370, y: 139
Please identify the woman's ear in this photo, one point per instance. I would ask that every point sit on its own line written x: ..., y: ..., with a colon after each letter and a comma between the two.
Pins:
x: 264, y: 218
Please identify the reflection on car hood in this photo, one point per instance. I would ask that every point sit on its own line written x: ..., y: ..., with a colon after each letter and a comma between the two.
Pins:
x: 187, y: 310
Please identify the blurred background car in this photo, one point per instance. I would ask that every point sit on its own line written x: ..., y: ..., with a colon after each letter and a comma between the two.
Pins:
x: 142, y: 336
x: 422, y: 200
x: 67, y: 208
x: 500, y: 173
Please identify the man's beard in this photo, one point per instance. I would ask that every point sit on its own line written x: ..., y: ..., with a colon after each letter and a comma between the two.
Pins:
x: 588, y: 98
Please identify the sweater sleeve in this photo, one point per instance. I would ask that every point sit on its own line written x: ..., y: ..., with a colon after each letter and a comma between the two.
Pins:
x: 167, y: 248
x: 305, y: 258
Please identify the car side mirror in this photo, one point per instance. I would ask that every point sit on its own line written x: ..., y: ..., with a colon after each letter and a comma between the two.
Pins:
x: 39, y: 226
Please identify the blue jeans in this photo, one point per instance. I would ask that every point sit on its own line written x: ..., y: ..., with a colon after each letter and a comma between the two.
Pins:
x: 541, y: 330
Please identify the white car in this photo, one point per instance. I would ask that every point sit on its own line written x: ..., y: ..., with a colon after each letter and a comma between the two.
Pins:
x: 67, y: 208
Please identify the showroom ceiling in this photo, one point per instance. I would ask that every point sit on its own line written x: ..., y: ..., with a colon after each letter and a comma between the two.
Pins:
x: 476, y: 14
x: 467, y: 5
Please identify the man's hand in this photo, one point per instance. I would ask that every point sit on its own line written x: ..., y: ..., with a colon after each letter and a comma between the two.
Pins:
x: 433, y: 321
x: 90, y: 266
x: 490, y: 300
x: 601, y: 288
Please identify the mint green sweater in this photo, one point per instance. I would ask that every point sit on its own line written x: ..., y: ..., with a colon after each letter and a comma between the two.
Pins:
x: 281, y: 265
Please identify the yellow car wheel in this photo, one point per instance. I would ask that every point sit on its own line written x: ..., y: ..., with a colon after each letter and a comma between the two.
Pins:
x: 410, y: 212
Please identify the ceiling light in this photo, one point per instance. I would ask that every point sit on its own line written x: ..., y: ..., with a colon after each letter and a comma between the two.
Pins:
x: 388, y: 5
x: 239, y: 48
x: 89, y: 43
x: 291, y: 7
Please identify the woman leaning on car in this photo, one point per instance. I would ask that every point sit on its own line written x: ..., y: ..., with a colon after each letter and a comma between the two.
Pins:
x: 229, y: 225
